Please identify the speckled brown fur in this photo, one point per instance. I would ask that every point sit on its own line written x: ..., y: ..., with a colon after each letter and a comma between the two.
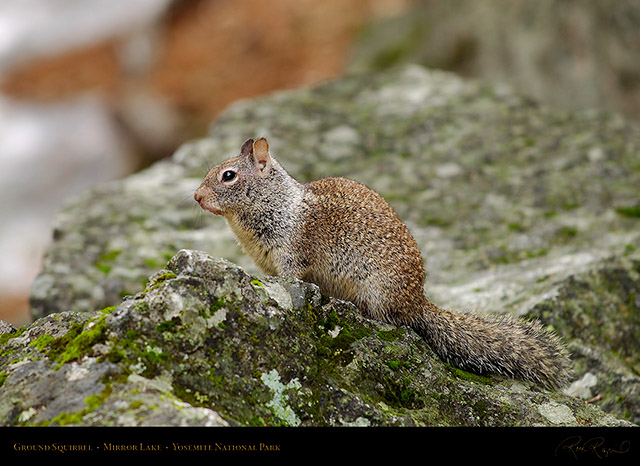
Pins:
x: 345, y: 238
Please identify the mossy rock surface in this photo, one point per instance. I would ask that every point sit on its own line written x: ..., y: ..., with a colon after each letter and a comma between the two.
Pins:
x: 516, y: 207
x: 205, y: 344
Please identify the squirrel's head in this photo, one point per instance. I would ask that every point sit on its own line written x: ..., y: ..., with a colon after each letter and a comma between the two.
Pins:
x: 238, y: 182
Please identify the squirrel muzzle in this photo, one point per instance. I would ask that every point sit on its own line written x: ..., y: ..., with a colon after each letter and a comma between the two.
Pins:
x: 206, y: 202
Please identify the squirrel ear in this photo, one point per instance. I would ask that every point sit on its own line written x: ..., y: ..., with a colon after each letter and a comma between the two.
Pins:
x: 261, y: 156
x: 247, y: 147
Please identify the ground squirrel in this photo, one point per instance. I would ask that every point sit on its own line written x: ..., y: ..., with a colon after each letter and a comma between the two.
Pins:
x: 346, y: 238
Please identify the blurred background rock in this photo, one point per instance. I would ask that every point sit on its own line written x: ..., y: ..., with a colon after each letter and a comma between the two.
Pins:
x: 94, y: 90
x: 569, y: 54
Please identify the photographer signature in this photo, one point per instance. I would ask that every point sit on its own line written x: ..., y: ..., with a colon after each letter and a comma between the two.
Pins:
x: 596, y: 446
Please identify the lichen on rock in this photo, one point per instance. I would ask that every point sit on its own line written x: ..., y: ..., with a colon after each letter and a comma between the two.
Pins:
x: 170, y: 356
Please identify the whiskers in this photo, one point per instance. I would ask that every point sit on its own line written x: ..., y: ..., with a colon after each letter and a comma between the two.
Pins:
x: 199, y: 216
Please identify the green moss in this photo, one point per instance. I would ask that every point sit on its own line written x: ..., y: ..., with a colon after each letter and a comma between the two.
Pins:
x: 42, y: 342
x: 480, y: 407
x: 469, y: 376
x: 64, y: 419
x: 5, y: 337
x: 159, y: 280
x: 92, y: 401
x: 390, y: 335
x: 397, y: 365
x: 168, y: 326
x: 257, y: 283
x: 137, y: 353
x: 152, y: 263
x: 401, y: 394
x: 132, y: 334
x: 141, y: 307
x: 77, y: 342
x: 334, y: 345
x: 217, y: 305
x: 104, y: 262
x: 3, y: 377
x: 110, y: 255
x: 153, y: 360
x: 218, y: 380
x: 257, y: 422
x: 115, y: 355
x: 146, y: 362
x: 135, y: 404
x: 105, y: 269
x: 530, y: 254
x: 631, y: 212
x: 567, y: 232
x: 211, y: 310
x: 507, y: 256
x: 436, y: 221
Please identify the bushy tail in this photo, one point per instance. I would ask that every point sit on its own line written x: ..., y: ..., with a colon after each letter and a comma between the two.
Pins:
x: 495, y: 344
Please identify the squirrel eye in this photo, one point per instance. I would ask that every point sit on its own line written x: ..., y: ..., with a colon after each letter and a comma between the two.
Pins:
x: 228, y: 175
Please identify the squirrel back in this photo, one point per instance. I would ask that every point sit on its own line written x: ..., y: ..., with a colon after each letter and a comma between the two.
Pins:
x: 344, y: 237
